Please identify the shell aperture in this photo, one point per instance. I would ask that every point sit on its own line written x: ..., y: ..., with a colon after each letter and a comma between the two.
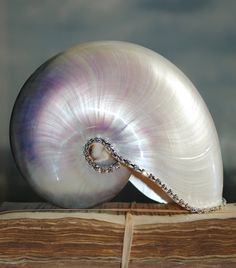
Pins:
x: 120, y: 95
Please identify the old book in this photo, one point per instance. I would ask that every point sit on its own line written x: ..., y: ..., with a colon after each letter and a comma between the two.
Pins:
x: 116, y: 235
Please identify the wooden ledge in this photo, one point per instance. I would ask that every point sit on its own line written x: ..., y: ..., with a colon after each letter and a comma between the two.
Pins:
x: 116, y: 235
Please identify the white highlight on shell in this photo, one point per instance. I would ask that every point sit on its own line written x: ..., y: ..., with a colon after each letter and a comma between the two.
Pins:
x: 144, y: 105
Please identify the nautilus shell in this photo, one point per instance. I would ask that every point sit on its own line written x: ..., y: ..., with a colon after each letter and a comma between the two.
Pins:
x: 103, y: 113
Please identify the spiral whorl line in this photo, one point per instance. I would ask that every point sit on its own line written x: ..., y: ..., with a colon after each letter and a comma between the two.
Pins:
x: 119, y: 160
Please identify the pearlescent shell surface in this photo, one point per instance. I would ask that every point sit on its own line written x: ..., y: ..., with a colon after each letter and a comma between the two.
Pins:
x: 144, y: 105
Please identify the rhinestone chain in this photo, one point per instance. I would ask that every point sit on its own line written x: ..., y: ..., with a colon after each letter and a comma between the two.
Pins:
x: 122, y: 161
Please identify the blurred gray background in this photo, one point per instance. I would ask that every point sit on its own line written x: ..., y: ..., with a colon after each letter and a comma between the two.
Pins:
x: 199, y: 36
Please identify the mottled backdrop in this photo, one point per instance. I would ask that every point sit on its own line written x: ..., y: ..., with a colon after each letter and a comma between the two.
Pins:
x: 199, y: 36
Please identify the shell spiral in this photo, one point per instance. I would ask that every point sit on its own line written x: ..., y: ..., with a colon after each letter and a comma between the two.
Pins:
x: 131, y: 96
